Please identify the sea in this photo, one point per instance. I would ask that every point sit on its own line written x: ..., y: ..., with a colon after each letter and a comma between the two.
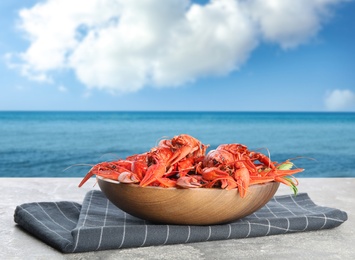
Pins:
x: 67, y: 144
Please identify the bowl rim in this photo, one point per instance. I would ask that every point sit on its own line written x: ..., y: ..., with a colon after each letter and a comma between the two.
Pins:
x: 174, y: 188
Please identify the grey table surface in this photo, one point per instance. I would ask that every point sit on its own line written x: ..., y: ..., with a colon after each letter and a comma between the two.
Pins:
x: 338, y: 243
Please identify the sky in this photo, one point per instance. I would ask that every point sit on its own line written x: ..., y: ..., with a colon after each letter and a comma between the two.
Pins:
x: 177, y: 55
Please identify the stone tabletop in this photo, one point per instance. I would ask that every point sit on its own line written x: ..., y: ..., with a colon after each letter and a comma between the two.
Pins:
x: 335, y: 243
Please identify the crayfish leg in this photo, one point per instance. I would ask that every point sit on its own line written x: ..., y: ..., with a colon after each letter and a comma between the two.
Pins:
x: 87, y: 177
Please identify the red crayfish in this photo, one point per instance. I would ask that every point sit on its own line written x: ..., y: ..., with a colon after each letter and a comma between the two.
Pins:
x: 182, y: 162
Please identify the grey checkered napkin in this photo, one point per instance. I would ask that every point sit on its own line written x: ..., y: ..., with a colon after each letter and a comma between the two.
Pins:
x: 99, y: 225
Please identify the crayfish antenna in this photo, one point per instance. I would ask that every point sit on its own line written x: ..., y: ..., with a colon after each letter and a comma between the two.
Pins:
x: 87, y: 177
x: 268, y: 153
x: 302, y: 157
x: 160, y: 139
x: 111, y: 154
x: 78, y: 164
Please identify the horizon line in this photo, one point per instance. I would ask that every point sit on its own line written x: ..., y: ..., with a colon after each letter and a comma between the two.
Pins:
x: 180, y: 111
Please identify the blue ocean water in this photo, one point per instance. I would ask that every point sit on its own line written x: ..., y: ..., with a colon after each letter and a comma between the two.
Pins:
x: 44, y: 144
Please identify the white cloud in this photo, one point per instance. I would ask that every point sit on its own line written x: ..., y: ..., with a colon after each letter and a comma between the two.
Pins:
x: 15, y: 61
x: 338, y: 99
x: 121, y: 45
x: 289, y: 22
x: 62, y: 89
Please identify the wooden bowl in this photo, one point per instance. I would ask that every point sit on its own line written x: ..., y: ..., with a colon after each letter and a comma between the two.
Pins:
x: 197, y: 206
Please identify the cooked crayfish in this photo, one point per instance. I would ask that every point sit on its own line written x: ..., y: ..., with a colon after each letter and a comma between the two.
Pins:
x: 169, y: 158
x: 182, y: 162
x: 234, y: 165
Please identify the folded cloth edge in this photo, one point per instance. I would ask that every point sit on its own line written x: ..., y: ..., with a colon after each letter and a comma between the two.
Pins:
x: 57, y: 224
